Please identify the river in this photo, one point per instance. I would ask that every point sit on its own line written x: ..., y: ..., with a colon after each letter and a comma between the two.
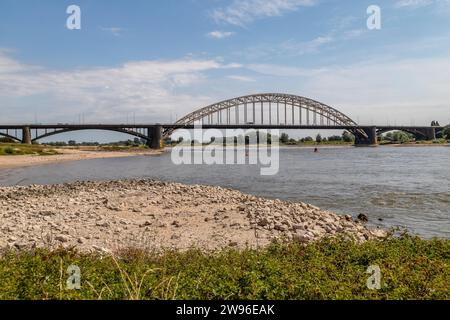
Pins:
x: 393, y: 186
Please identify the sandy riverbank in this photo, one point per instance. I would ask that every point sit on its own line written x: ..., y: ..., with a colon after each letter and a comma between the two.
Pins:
x: 103, y: 216
x: 66, y: 154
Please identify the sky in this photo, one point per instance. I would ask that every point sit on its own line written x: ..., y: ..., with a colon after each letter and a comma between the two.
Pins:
x: 155, y: 61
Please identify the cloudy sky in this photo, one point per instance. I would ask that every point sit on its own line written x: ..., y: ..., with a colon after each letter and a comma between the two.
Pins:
x: 157, y: 60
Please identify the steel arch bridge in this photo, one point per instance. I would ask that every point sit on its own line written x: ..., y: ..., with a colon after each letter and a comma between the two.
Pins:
x: 266, y: 109
x: 256, y: 111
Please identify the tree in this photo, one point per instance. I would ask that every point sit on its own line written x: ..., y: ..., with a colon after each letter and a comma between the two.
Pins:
x: 347, y: 136
x: 72, y: 142
x: 284, y: 138
x: 446, y: 132
x: 400, y: 136
x: 335, y: 138
x: 308, y: 138
x: 389, y: 136
x: 318, y: 138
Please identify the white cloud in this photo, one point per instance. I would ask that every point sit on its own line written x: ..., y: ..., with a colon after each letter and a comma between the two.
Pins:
x: 300, y: 48
x: 243, y: 12
x: 412, y: 3
x: 8, y: 64
x: 377, y: 90
x: 115, y: 31
x: 220, y: 34
x: 281, y: 71
x: 241, y: 78
x: 289, y: 48
x: 149, y: 87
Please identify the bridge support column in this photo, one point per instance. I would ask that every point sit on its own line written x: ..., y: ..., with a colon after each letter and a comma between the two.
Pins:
x: 430, y: 133
x: 371, y: 139
x: 155, y: 137
x: 26, y: 135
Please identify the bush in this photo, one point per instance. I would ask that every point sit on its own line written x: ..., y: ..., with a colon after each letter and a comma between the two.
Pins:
x: 9, y: 150
x: 411, y: 268
x: 446, y: 132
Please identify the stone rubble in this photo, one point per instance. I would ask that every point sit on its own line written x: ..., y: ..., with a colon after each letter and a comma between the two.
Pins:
x: 154, y: 215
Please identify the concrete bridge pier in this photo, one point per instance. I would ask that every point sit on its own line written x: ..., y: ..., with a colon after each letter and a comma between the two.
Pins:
x: 26, y: 135
x: 430, y: 133
x: 155, y: 134
x: 371, y: 138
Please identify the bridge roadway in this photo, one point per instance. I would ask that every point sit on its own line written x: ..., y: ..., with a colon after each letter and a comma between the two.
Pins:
x: 153, y: 132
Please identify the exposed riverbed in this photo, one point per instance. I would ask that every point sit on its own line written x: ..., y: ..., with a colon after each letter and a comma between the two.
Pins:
x: 109, y: 216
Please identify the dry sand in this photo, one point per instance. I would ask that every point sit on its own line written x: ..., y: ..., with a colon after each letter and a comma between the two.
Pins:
x: 68, y: 155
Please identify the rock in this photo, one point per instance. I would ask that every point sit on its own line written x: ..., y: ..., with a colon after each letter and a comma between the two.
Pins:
x: 280, y: 227
x: 378, y: 233
x: 20, y: 245
x: 104, y: 224
x: 298, y: 227
x: 301, y: 236
x: 176, y: 223
x: 145, y: 224
x: 46, y: 213
x: 62, y: 238
x: 363, y: 218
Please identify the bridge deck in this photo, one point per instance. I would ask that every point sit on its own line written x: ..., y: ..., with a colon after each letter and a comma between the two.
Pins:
x: 205, y: 126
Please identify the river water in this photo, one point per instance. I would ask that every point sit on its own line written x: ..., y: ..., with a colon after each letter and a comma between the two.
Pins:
x: 393, y: 186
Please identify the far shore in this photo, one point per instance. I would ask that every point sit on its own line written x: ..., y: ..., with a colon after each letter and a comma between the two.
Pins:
x: 69, y: 154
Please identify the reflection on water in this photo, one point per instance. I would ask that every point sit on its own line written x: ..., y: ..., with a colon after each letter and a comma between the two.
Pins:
x: 393, y: 186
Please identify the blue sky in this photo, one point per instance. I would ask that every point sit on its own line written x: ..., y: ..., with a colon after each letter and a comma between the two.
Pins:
x: 158, y: 60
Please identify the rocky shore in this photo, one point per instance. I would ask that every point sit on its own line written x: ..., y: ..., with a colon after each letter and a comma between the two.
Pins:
x: 146, y: 214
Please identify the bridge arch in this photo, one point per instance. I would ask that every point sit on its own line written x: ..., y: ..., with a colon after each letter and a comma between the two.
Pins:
x: 65, y: 130
x: 267, y: 108
x: 2, y: 134
x: 418, y: 133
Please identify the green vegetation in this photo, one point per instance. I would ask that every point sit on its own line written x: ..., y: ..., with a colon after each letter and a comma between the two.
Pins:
x: 400, y: 137
x: 397, y: 137
x: 122, y: 148
x: 446, y: 132
x: 10, y: 149
x: 411, y: 268
x: 136, y: 142
x: 345, y: 139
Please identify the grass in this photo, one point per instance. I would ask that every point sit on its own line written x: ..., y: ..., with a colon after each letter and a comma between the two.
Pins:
x: 420, y: 142
x: 122, y: 148
x: 411, y: 268
x: 12, y: 149
x: 316, y: 144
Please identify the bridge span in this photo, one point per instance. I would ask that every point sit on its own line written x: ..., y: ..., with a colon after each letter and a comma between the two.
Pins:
x: 258, y: 111
x: 154, y: 133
